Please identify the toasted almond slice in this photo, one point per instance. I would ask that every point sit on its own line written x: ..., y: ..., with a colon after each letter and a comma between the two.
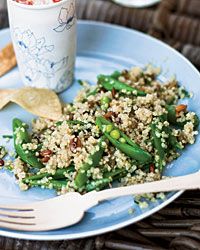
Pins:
x: 6, y: 96
x: 41, y: 102
x: 181, y: 107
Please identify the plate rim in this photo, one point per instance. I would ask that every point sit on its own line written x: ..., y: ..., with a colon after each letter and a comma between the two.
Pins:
x: 33, y: 236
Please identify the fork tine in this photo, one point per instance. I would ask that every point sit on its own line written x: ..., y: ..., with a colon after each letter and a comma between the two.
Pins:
x: 23, y: 221
x: 18, y: 227
x: 22, y: 207
x: 13, y: 213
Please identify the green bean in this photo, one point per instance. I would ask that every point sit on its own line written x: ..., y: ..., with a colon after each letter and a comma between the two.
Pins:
x: 110, y: 83
x: 158, y: 144
x: 21, y: 137
x: 129, y: 148
x: 92, y: 161
x: 59, y: 174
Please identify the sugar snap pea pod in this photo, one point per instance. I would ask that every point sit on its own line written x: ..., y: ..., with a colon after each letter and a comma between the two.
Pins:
x: 106, y: 180
x: 174, y: 142
x: 128, y: 147
x: 171, y: 117
x: 92, y: 161
x: 100, y: 121
x: 98, y: 184
x: 59, y: 174
x: 21, y: 136
x: 71, y: 122
x: 116, y: 74
x: 50, y: 184
x: 158, y: 144
x: 110, y: 83
x: 114, y: 173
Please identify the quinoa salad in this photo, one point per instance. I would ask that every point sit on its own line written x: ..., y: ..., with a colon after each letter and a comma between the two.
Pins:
x: 125, y: 129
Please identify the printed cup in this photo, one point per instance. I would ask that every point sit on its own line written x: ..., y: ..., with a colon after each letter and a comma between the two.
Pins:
x: 44, y: 38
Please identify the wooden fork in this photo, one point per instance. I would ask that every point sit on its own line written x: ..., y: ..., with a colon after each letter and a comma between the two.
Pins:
x: 66, y: 210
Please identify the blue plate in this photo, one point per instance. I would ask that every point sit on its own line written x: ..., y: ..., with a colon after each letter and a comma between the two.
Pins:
x: 103, y: 48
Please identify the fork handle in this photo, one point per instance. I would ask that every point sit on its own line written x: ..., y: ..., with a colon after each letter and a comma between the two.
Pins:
x: 191, y: 181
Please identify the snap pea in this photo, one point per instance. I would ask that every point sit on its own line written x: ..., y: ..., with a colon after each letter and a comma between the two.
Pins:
x: 110, y: 83
x: 100, y: 121
x: 21, y: 136
x: 108, y: 178
x: 174, y: 142
x: 59, y: 174
x: 171, y: 117
x: 116, y: 74
x: 157, y: 144
x: 98, y: 184
x: 92, y: 161
x: 50, y: 184
x: 114, y: 173
x: 129, y: 148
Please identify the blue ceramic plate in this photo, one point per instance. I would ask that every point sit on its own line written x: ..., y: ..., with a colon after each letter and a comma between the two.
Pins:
x: 103, y: 48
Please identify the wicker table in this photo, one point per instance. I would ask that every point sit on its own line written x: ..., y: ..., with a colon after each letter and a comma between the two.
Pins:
x: 177, y: 226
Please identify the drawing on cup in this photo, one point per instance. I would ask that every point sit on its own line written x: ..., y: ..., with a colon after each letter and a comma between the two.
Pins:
x: 66, y: 18
x: 33, y: 53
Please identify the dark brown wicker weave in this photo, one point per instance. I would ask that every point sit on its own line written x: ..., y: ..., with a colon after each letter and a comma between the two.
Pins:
x: 177, y: 226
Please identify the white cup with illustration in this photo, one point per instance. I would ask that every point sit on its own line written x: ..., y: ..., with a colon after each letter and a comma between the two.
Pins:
x: 44, y: 39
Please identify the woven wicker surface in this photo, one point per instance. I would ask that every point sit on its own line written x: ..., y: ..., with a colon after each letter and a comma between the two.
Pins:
x: 177, y: 226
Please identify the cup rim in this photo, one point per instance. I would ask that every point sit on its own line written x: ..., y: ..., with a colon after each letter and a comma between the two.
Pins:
x: 38, y: 7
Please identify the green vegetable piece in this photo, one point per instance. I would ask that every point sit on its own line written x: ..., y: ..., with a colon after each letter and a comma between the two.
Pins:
x: 115, y: 134
x: 109, y: 128
x: 21, y: 136
x: 114, y: 173
x: 105, y: 100
x: 93, y: 161
x: 70, y: 122
x: 50, y: 184
x: 122, y: 140
x: 157, y: 144
x: 93, y: 92
x: 129, y: 148
x: 7, y: 136
x: 3, y: 152
x: 174, y: 142
x: 59, y: 174
x: 110, y: 83
x: 98, y: 185
x: 116, y: 74
x: 171, y: 115
x: 196, y: 121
